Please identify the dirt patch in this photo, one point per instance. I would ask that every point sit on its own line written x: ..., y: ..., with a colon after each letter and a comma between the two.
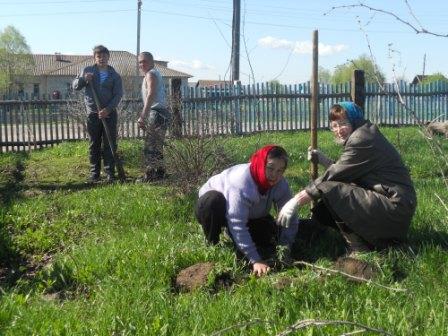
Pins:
x: 356, y: 267
x: 283, y: 282
x: 21, y: 269
x: 193, y: 277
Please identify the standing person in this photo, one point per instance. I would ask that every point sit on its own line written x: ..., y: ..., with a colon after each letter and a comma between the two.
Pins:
x: 240, y: 198
x: 154, y: 118
x: 108, y: 86
x: 367, y: 195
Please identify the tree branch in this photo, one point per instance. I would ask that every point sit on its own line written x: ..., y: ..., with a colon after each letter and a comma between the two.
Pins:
x: 420, y: 30
x: 347, y: 275
x: 312, y: 322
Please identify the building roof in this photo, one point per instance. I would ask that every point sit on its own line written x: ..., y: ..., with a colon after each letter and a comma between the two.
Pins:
x: 211, y: 83
x: 418, y: 79
x: 71, y: 65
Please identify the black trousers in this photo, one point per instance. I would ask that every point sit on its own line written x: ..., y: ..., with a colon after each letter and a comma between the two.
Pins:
x: 211, y: 214
x: 99, y: 145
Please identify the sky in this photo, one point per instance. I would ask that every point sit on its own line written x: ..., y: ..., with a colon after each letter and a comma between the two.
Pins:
x: 194, y: 36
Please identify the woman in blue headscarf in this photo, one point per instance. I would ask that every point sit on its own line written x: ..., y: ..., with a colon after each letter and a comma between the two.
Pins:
x: 367, y: 194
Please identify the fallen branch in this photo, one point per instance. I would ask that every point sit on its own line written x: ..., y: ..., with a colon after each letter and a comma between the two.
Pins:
x: 441, y: 201
x: 312, y: 322
x: 240, y: 325
x: 347, y: 275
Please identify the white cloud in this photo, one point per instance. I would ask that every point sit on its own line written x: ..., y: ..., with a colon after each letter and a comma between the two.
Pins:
x: 300, y: 47
x: 193, y: 65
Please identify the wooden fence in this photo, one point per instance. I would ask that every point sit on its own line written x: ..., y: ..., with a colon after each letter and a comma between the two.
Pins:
x: 267, y: 107
x: 239, y: 109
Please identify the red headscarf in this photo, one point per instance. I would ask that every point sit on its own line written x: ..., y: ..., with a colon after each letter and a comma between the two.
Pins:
x: 258, y: 166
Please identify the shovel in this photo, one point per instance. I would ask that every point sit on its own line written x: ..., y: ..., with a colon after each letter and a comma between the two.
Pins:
x: 117, y: 160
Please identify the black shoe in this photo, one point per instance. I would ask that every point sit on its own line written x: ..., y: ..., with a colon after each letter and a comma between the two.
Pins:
x: 93, y: 179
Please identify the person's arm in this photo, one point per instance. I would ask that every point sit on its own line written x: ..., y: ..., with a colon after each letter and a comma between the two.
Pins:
x: 358, y: 159
x: 151, y: 82
x: 316, y: 156
x: 237, y: 218
x: 290, y: 208
x: 80, y: 81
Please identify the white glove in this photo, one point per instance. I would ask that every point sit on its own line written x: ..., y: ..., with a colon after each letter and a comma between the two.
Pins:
x: 316, y: 156
x: 286, y: 213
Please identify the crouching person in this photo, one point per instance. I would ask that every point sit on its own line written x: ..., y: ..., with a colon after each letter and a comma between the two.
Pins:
x: 239, y: 199
x: 367, y: 194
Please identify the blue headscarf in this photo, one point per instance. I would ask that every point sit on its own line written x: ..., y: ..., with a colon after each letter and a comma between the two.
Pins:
x: 354, y: 112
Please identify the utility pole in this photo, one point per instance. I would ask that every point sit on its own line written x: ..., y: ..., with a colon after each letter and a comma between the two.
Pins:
x: 139, y: 11
x: 235, y: 59
x: 424, y: 64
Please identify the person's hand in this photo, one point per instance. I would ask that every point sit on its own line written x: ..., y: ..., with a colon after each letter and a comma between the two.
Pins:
x: 104, y: 113
x: 141, y: 123
x: 260, y: 268
x: 316, y: 156
x: 88, y: 76
x: 286, y: 213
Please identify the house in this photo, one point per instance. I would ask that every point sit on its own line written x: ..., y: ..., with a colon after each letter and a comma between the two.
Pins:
x: 212, y: 88
x: 206, y: 83
x: 53, y: 74
x: 419, y: 78
x: 429, y: 78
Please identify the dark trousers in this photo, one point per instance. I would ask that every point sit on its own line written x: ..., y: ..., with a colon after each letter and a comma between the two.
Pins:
x: 211, y: 214
x: 324, y: 215
x: 99, y: 144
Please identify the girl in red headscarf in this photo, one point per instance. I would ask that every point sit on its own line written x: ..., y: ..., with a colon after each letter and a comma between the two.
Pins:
x: 240, y: 198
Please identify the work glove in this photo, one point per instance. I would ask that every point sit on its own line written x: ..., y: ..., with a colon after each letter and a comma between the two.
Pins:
x: 316, y: 156
x: 286, y: 213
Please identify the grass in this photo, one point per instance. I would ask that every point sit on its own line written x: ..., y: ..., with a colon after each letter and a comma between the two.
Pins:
x: 100, y: 260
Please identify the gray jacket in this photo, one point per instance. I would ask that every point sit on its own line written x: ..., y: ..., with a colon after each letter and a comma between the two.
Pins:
x: 109, y: 92
x: 369, y: 187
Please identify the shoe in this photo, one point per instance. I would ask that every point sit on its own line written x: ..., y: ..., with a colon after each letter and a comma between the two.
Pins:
x: 356, y: 245
x: 93, y: 179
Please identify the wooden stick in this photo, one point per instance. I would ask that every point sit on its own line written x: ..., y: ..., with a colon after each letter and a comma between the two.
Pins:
x: 314, y: 101
x: 312, y: 322
x: 347, y: 275
x: 240, y: 325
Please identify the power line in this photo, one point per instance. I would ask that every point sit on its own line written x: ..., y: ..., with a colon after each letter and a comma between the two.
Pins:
x: 68, y: 13
x: 56, y: 2
x: 224, y: 21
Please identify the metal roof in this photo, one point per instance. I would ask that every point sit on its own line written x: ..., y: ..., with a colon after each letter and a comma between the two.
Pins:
x: 71, y: 65
x: 212, y: 82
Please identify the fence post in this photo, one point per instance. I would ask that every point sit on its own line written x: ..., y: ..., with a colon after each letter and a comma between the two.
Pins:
x: 358, y: 89
x: 176, y: 99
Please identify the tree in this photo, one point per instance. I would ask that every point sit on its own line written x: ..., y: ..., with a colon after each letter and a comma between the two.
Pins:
x: 15, y: 58
x: 324, y: 75
x: 343, y: 73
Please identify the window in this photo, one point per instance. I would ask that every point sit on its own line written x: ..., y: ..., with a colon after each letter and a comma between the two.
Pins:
x: 36, y: 90
x: 20, y: 90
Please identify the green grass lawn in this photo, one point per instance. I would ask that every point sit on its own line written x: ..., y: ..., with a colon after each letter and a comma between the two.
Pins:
x: 100, y: 260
